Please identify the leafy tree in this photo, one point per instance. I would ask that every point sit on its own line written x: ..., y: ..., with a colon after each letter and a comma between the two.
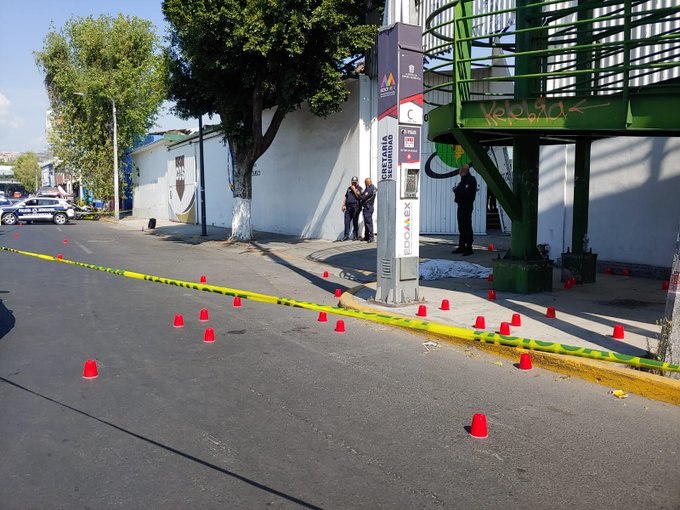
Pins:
x: 25, y: 171
x: 89, y: 64
x: 238, y: 58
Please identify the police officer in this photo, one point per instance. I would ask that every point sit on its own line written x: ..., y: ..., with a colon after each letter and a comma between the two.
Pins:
x: 367, y: 201
x: 351, y: 206
x: 465, y: 193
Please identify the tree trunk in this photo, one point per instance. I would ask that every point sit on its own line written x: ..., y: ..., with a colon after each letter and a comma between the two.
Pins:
x: 241, y: 225
x: 672, y: 344
x: 244, y: 155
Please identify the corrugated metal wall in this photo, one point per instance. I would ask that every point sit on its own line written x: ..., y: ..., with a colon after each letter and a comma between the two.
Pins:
x: 437, y: 207
x: 640, y: 53
x: 486, y: 24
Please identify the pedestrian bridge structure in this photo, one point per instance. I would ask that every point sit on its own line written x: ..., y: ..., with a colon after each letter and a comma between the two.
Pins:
x: 525, y: 73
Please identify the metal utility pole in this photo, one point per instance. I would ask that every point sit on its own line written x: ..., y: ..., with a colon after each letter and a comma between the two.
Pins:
x: 116, y: 205
x: 204, y: 227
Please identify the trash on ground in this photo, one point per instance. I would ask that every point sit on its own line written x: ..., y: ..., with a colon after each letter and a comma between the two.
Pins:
x: 619, y: 393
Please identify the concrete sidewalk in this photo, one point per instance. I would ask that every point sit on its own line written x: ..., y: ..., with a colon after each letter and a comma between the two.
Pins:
x: 585, y: 315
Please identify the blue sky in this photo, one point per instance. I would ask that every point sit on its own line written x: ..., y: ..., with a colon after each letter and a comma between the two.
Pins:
x: 23, y: 26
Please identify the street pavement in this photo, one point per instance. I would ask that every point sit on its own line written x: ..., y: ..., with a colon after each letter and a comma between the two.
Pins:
x: 281, y: 411
x: 585, y: 314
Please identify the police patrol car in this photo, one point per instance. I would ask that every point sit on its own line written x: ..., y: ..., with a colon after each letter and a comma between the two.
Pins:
x: 57, y: 210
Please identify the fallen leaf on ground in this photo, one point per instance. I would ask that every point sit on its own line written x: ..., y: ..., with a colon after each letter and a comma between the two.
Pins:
x: 619, y: 393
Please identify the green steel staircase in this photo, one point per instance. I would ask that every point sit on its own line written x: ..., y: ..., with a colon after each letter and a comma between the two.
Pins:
x: 562, y: 72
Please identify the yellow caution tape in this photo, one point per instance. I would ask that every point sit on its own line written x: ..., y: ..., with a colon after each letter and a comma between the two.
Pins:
x: 432, y: 327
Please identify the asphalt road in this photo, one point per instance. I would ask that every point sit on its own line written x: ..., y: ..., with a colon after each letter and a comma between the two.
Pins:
x: 281, y: 411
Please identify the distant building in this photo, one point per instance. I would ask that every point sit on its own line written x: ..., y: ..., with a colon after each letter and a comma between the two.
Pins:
x: 9, y: 157
x: 299, y: 182
x: 47, y: 177
x: 8, y: 184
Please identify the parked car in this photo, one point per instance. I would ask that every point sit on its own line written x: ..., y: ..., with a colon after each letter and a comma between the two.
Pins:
x: 85, y: 212
x: 56, y: 210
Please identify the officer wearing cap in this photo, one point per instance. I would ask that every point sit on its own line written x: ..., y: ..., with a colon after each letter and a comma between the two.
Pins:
x: 465, y: 193
x: 367, y: 201
x: 351, y: 206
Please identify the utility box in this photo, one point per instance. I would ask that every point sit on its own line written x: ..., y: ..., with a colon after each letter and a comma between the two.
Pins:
x: 400, y: 118
x: 581, y: 266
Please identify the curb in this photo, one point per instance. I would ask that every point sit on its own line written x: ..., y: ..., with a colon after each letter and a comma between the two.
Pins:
x: 641, y: 383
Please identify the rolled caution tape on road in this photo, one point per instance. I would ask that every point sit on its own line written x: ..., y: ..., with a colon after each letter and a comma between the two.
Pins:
x: 381, y: 318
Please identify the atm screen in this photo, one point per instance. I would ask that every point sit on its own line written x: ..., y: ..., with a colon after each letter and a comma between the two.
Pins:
x: 411, y: 185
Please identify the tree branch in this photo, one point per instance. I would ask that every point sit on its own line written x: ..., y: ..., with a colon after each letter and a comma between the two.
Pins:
x: 273, y: 128
x: 256, y: 125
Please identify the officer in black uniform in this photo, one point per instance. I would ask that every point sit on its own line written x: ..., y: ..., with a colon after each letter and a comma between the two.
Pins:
x: 465, y: 193
x: 367, y: 201
x: 351, y: 206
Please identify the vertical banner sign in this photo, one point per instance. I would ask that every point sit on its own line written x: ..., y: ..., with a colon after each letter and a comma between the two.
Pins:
x: 182, y: 192
x: 387, y: 103
x: 410, y: 116
x: 410, y: 75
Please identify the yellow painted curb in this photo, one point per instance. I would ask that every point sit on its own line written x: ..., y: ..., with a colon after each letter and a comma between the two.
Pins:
x: 641, y: 383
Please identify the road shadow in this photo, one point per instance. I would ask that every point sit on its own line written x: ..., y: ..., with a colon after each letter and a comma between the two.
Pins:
x: 354, y: 263
x: 185, y: 233
x: 168, y: 448
x: 7, y: 320
x: 312, y: 278
x: 606, y: 342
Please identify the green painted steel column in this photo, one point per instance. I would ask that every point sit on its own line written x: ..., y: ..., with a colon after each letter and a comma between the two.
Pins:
x: 526, y: 151
x: 580, y: 263
x: 526, y: 148
x: 463, y: 49
x: 584, y: 85
x: 523, y: 269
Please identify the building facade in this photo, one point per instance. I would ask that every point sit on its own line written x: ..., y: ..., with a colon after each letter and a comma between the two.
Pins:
x: 298, y: 184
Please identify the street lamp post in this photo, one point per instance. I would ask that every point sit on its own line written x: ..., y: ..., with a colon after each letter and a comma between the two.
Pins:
x: 204, y: 227
x: 116, y: 205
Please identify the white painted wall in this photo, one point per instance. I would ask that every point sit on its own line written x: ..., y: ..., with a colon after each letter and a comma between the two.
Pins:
x: 298, y: 184
x: 218, y: 195
x: 634, y: 206
x: 304, y: 174
x: 634, y: 210
x: 150, y: 188
x: 555, y: 197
